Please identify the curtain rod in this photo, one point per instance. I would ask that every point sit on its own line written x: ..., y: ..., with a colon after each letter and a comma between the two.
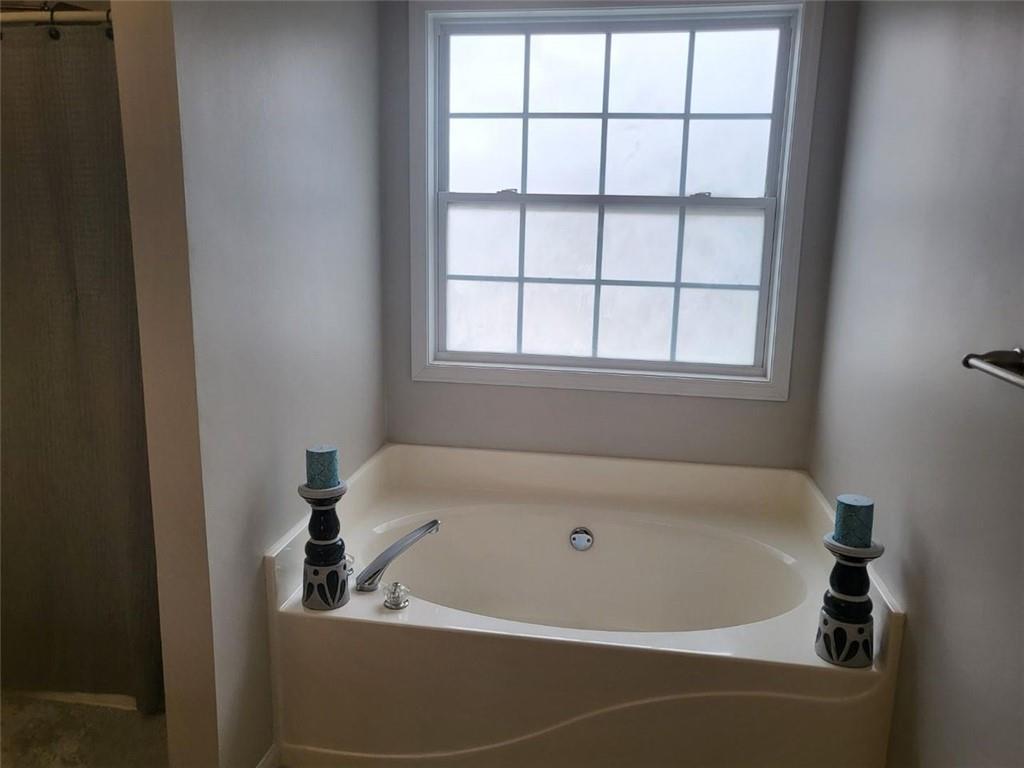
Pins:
x: 58, y: 17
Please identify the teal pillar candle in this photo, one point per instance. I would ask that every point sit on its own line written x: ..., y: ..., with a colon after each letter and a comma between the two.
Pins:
x: 322, y: 467
x: 854, y: 518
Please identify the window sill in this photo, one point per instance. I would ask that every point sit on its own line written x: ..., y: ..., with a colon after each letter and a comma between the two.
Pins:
x: 651, y: 383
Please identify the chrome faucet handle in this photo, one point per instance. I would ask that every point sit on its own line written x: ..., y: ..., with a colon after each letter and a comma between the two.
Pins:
x: 396, y: 596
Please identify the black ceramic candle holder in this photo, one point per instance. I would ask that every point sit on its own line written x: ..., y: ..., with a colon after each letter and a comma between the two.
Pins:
x: 325, y: 575
x: 845, y: 626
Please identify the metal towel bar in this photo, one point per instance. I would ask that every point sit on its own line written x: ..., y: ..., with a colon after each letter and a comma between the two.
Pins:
x: 1005, y: 364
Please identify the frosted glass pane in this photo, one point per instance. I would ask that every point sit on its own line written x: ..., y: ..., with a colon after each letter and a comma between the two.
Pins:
x: 728, y: 158
x: 483, y: 240
x: 640, y: 244
x: 561, y: 242
x: 481, y: 316
x: 717, y: 326
x: 648, y: 72
x: 564, y: 156
x: 643, y: 157
x: 558, y: 319
x: 486, y: 73
x: 566, y: 73
x: 723, y: 246
x: 636, y: 323
x: 734, y: 70
x: 484, y: 155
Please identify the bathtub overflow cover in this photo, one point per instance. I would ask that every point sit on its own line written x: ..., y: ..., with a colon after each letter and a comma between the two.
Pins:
x: 581, y: 539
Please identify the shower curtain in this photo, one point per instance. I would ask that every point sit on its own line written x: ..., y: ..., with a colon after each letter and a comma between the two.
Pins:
x: 79, y: 604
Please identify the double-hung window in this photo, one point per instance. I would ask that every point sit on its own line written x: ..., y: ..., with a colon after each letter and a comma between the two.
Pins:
x: 604, y: 199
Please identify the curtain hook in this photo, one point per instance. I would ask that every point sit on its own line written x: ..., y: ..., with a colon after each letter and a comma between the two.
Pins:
x: 54, y: 32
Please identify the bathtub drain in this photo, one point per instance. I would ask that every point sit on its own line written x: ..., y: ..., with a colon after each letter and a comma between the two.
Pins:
x: 581, y: 539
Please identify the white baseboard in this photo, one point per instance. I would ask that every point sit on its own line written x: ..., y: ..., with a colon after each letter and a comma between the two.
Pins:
x: 112, y: 700
x: 312, y: 757
x: 272, y: 759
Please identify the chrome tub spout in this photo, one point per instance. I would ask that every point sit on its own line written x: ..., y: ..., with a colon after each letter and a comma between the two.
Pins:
x: 369, y: 579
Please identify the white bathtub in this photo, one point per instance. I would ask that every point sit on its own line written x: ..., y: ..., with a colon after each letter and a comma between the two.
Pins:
x: 684, y: 636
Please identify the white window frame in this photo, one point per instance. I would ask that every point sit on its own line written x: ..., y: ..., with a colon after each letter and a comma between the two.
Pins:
x: 783, y: 205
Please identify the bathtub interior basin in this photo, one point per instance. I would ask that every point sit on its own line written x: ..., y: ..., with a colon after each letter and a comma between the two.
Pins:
x: 640, y: 574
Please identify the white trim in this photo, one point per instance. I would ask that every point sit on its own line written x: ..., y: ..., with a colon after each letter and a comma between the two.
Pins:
x: 771, y: 383
x: 421, y: 181
x: 273, y: 642
x: 109, y: 700
x: 793, y: 189
x: 644, y: 382
x: 272, y: 758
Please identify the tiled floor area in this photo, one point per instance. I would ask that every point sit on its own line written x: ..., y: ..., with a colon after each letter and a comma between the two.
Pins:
x: 51, y: 734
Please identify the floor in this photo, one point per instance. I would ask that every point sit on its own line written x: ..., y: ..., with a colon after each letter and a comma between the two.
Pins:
x: 52, y: 734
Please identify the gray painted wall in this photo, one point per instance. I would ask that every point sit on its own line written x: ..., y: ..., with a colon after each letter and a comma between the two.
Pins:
x: 929, y: 265
x: 607, y: 423
x: 278, y: 109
